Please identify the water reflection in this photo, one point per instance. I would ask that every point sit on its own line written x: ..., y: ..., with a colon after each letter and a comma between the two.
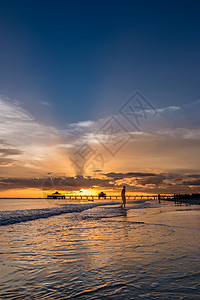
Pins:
x: 103, y: 252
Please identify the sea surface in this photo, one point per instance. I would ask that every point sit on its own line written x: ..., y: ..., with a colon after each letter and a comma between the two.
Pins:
x: 60, y: 249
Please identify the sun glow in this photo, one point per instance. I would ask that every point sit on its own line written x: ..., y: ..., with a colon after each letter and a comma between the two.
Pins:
x: 83, y: 191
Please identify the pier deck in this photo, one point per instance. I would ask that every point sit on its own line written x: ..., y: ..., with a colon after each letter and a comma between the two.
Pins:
x: 118, y: 197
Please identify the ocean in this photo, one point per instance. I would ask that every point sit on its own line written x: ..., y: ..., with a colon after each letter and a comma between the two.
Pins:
x: 61, y: 249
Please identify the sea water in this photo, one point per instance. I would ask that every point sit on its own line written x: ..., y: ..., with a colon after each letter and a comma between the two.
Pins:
x: 56, y: 249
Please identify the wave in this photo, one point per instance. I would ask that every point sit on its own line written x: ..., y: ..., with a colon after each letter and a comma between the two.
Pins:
x: 18, y: 216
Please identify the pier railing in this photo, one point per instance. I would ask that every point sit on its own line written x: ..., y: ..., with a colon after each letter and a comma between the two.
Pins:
x: 118, y: 197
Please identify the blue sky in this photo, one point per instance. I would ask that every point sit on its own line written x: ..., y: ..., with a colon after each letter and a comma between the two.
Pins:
x: 84, y: 58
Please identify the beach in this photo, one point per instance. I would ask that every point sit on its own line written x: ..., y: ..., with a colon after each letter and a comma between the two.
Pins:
x: 97, y: 250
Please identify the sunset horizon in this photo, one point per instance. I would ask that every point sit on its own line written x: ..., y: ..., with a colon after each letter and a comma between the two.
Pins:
x: 138, y: 148
x: 99, y: 149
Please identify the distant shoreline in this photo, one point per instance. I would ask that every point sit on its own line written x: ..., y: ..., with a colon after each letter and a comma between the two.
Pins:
x: 181, y: 201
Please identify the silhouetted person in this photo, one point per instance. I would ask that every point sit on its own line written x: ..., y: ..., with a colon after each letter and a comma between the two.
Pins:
x: 159, y: 198
x: 123, y: 194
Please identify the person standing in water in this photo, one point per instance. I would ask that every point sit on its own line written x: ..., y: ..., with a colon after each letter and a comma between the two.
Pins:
x: 123, y: 194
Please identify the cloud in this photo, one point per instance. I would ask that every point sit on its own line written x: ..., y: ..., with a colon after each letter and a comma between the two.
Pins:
x: 159, y: 183
x: 172, y: 108
x: 83, y: 124
x: 19, y: 127
x: 56, y: 183
x: 34, y: 145
x: 156, y: 181
x: 185, y: 116
x: 165, y: 143
x: 191, y: 183
x: 7, y: 156
x: 3, y: 143
x: 194, y: 176
x: 128, y: 175
x: 6, y: 162
x: 45, y: 103
x: 10, y: 152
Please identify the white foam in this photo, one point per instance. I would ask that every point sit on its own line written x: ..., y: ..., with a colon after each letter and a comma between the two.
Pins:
x: 17, y: 216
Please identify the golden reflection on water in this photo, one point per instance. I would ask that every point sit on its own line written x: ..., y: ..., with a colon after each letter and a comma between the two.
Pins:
x: 104, y: 245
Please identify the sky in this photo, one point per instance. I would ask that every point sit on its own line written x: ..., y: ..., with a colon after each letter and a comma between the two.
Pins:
x: 98, y: 94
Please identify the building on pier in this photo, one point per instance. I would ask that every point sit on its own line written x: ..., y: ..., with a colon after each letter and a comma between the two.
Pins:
x: 56, y: 195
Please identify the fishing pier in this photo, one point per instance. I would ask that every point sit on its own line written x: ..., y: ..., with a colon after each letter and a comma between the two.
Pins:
x: 110, y: 197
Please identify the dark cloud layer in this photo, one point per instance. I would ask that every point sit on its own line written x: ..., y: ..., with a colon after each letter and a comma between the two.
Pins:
x: 6, y: 154
x: 62, y: 183
x: 135, y: 182
x: 128, y: 175
x: 9, y: 152
x: 192, y: 183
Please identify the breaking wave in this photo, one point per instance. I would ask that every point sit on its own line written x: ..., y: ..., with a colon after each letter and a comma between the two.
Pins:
x: 18, y: 216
